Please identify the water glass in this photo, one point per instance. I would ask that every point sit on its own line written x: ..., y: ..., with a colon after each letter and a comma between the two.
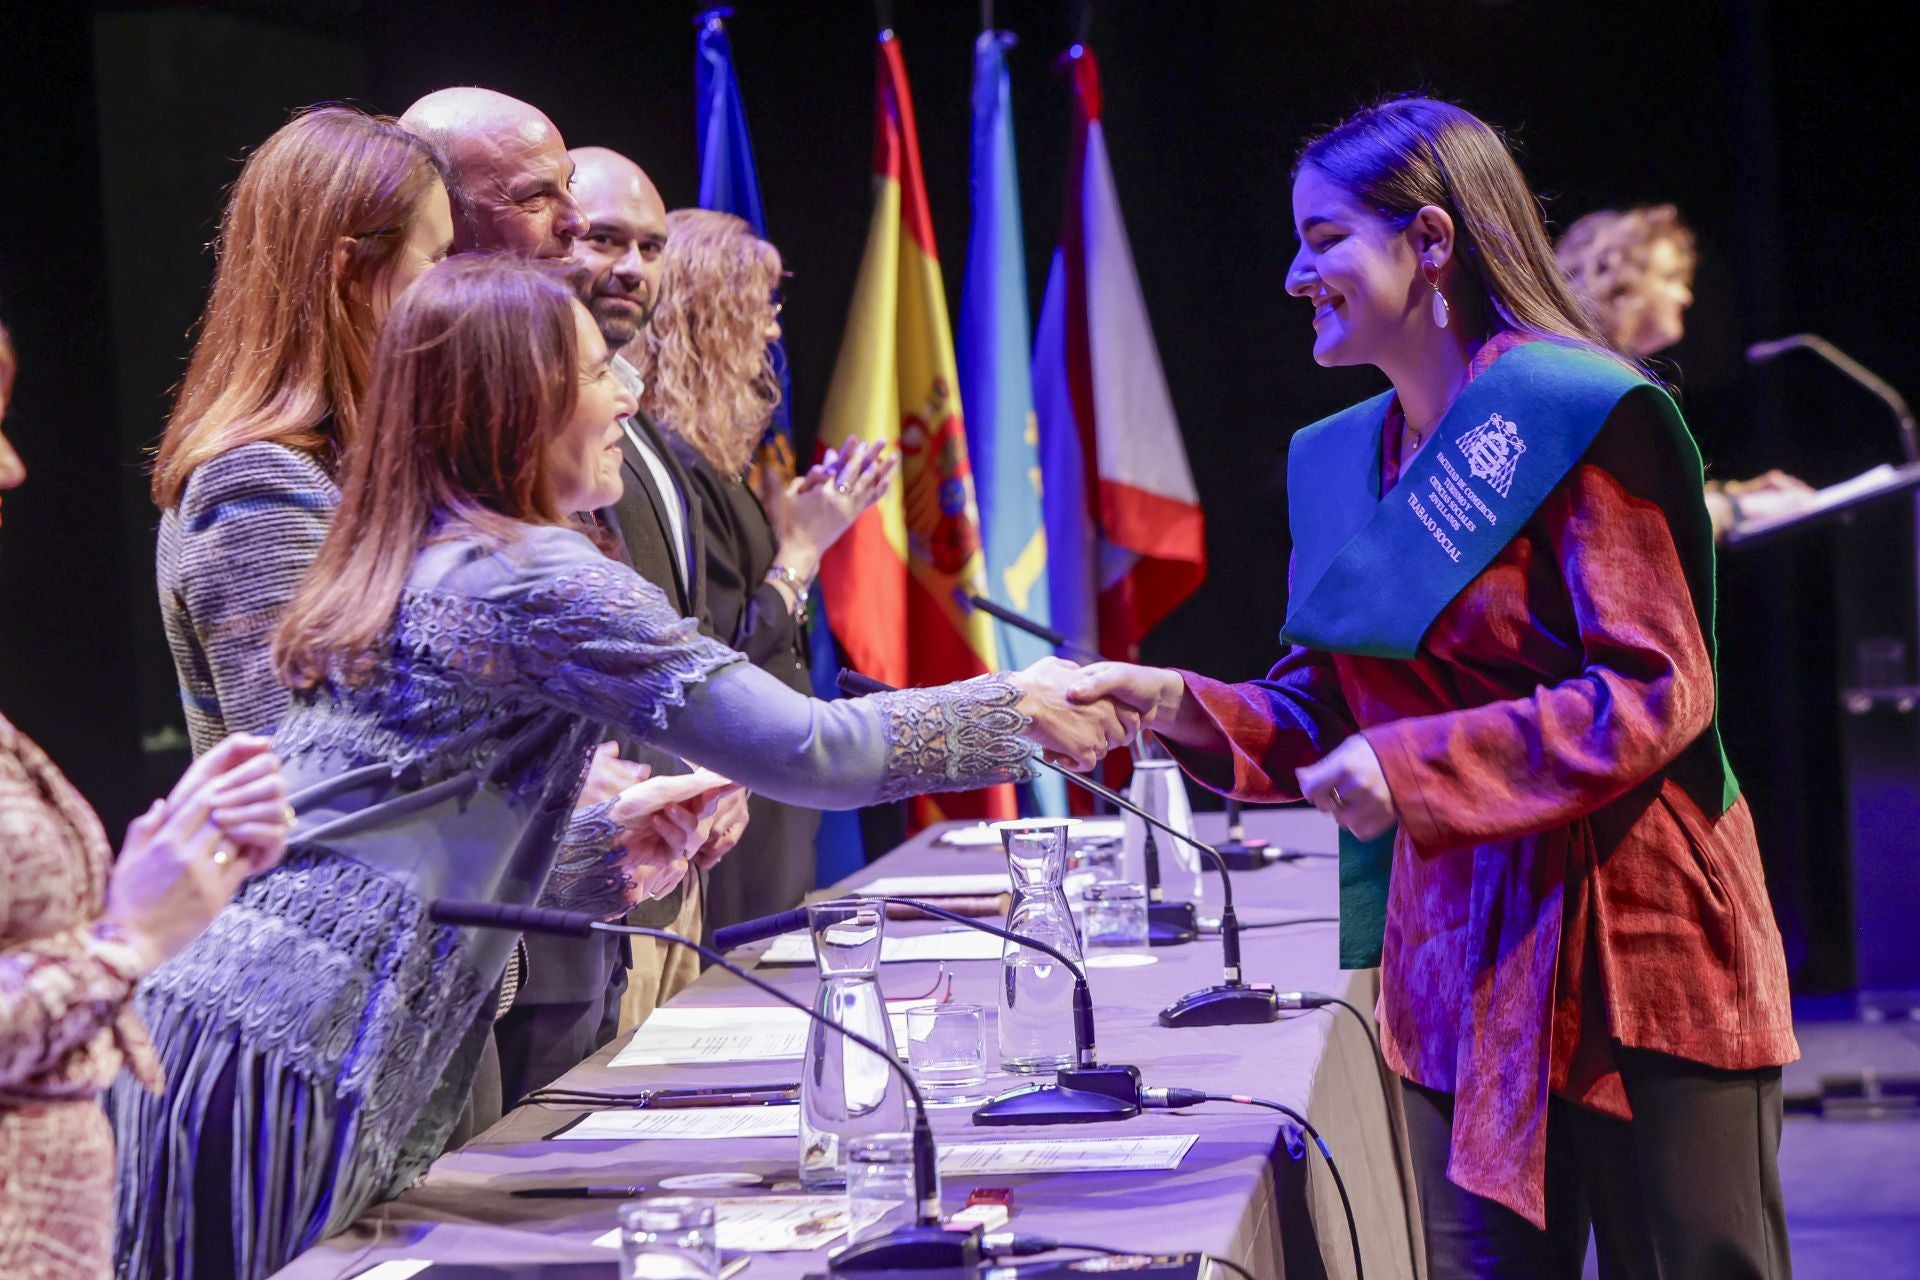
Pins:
x: 1113, y: 914
x: 668, y: 1238
x: 947, y: 1050
x: 880, y: 1185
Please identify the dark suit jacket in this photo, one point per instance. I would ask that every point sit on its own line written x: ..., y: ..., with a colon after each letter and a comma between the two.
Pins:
x: 772, y: 867
x: 575, y: 971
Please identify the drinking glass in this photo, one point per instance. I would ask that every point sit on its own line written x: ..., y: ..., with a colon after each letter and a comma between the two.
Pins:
x: 1113, y: 914
x: 879, y: 1185
x: 947, y: 1050
x: 668, y: 1238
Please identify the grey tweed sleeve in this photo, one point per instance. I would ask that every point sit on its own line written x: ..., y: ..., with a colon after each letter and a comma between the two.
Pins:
x: 233, y: 554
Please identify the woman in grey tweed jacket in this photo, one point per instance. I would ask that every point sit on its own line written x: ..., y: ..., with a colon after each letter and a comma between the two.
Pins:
x: 332, y: 217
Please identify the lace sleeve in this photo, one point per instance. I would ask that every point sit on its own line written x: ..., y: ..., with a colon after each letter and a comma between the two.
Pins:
x: 586, y: 875
x: 588, y: 634
x: 571, y: 628
x: 747, y: 725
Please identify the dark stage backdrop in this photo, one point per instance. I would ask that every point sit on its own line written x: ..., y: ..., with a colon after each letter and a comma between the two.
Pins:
x: 1785, y: 132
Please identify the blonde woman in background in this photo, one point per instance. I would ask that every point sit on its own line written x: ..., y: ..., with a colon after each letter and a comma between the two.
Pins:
x: 1634, y: 269
x: 709, y: 382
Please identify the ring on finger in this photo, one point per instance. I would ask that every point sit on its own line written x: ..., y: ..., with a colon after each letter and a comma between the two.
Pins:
x: 224, y: 854
x: 1333, y: 797
x: 842, y: 487
x: 291, y: 816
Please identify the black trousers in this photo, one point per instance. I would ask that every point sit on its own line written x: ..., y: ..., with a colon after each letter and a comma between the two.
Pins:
x: 539, y: 1043
x: 1689, y: 1189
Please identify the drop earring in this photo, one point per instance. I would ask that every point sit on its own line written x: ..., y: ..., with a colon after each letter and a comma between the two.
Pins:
x: 1442, y: 313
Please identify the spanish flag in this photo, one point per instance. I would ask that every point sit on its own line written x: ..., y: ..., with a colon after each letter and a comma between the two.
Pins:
x: 896, y: 583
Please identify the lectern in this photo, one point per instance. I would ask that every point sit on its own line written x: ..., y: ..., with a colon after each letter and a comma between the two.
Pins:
x: 1873, y: 525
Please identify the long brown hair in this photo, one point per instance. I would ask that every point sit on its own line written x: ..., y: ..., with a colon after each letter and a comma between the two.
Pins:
x: 475, y: 372
x: 283, y: 343
x: 709, y: 373
x: 1403, y: 154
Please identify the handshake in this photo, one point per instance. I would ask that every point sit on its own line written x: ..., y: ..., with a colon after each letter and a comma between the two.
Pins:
x: 1079, y: 714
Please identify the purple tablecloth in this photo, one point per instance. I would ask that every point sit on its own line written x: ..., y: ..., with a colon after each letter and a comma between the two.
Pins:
x: 1238, y: 1193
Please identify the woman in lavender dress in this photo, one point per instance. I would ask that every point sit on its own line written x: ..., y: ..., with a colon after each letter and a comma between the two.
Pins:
x: 456, y: 652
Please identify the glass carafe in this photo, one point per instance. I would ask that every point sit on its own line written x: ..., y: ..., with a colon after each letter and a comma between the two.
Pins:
x: 1159, y: 787
x: 845, y: 1091
x: 1036, y: 991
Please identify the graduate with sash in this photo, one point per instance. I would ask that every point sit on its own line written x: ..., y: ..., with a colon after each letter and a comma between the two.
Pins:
x: 1501, y: 684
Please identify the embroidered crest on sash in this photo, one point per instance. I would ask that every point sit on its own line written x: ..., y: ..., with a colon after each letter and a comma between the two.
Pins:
x: 1493, y: 450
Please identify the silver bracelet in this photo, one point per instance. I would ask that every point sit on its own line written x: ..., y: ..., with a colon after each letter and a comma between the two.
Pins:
x: 802, y: 589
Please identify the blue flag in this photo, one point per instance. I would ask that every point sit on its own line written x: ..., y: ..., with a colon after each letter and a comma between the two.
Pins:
x: 996, y: 391
x: 729, y: 184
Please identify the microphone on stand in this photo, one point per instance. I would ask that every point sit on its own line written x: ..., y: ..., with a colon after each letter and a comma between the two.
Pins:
x: 1241, y: 853
x: 1081, y: 1094
x: 1038, y: 630
x: 925, y: 1246
x: 1232, y: 1002
x: 1762, y: 352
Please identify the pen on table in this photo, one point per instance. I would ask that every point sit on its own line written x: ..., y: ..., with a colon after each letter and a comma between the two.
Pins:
x: 578, y: 1193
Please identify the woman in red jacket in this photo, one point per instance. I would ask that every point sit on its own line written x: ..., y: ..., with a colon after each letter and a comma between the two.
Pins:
x: 1502, y: 686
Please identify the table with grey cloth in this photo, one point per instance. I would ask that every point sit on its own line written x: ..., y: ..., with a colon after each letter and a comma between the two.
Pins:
x: 1238, y: 1193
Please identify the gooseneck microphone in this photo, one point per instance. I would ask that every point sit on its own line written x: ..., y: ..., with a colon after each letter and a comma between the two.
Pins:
x: 1231, y: 1003
x: 926, y: 1246
x: 1038, y: 630
x: 1081, y: 1094
x: 1762, y: 352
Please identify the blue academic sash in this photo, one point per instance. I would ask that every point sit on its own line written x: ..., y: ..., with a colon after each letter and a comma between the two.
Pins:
x: 1372, y: 572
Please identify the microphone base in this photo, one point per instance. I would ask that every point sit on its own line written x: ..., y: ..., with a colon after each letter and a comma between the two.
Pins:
x: 1246, y: 855
x: 1079, y: 1095
x: 909, y: 1249
x: 1222, y: 1006
x: 1169, y: 924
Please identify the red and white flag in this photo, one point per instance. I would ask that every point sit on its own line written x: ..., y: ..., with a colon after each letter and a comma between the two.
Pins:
x: 1125, y: 538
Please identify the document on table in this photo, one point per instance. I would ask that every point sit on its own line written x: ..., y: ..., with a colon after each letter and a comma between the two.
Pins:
x: 686, y: 1122
x: 1067, y: 1155
x: 980, y: 885
x: 770, y: 1224
x: 674, y: 1036
x: 960, y: 944
x: 982, y: 836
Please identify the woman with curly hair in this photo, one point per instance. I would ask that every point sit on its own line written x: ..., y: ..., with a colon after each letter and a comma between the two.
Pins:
x: 1634, y: 270
x: 710, y: 382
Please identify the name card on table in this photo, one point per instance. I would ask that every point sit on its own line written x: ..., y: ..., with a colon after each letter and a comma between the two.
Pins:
x: 677, y: 1037
x: 960, y: 944
x: 1067, y: 1155
x: 685, y: 1123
